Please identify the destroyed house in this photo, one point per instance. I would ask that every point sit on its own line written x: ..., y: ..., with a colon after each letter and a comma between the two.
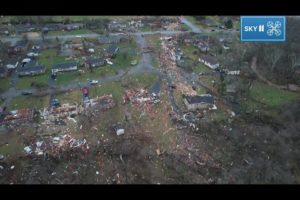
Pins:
x: 209, y: 61
x: 95, y: 62
x: 117, y: 26
x: 64, y: 67
x: 73, y: 26
x: 3, y: 72
x: 111, y: 50
x: 198, y: 102
x: 4, y: 31
x: 60, y: 112
x: 231, y: 88
x: 23, y: 28
x: 18, y: 47
x: 203, y: 46
x: 102, y: 103
x: 31, y: 71
x: 18, y: 116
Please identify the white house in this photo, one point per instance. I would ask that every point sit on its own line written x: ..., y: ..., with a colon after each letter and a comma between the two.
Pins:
x: 209, y: 61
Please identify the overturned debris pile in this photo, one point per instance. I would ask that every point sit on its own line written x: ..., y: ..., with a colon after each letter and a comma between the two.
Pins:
x: 17, y: 116
x: 168, y: 61
x: 60, y: 112
x: 54, y: 145
x: 139, y: 97
x: 102, y: 103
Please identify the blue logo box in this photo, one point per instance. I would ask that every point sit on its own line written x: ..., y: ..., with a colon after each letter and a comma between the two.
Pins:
x: 262, y: 28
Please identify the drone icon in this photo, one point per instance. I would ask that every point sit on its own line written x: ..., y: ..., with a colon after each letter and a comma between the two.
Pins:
x: 274, y: 28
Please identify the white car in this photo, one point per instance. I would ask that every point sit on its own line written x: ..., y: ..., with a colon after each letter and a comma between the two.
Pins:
x: 94, y: 82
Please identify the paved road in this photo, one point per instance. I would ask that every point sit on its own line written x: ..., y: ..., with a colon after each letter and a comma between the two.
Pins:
x: 143, y: 66
x: 194, y: 28
x: 92, y: 35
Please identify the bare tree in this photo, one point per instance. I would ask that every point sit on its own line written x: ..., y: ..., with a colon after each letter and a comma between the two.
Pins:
x: 294, y: 61
x: 273, y: 55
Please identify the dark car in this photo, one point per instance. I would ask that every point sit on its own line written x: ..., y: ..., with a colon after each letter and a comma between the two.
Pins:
x: 26, y: 93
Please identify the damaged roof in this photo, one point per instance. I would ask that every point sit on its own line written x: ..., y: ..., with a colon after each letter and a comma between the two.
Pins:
x: 112, y: 49
x: 210, y: 59
x: 200, y: 99
x: 96, y: 61
x: 64, y: 65
x: 32, y: 68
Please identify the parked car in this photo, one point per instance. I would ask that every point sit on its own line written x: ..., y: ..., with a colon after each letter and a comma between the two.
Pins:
x: 93, y: 82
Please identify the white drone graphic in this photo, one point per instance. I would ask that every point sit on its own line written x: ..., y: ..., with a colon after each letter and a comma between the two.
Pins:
x: 274, y: 28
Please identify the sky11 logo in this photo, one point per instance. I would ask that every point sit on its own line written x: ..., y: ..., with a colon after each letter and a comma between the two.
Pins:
x: 263, y: 28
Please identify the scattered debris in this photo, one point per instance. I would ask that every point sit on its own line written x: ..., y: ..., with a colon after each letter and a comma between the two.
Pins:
x: 102, y: 103
x: 118, y: 129
x: 53, y: 145
x: 64, y: 111
x: 158, y: 152
x: 17, y: 116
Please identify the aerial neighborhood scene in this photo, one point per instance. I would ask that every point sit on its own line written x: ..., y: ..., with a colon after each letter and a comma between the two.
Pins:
x: 147, y: 100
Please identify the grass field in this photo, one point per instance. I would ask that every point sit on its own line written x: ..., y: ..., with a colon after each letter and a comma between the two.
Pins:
x: 271, y: 96
x: 4, y: 84
x: 27, y: 81
x: 28, y: 102
x: 49, y: 57
x: 140, y: 80
x: 200, y: 68
x: 154, y: 43
x: 72, y: 32
x: 63, y: 78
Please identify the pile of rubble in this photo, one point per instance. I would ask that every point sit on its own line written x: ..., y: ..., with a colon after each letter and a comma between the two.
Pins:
x: 17, y: 116
x: 54, y: 145
x: 63, y: 111
x: 168, y: 60
x: 140, y: 97
x: 102, y: 103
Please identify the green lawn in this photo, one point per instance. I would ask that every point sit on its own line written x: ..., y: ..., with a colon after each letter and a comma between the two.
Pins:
x: 179, y: 100
x: 49, y: 57
x: 28, y: 102
x: 190, y: 51
x: 4, y: 84
x: 66, y: 77
x: 271, y: 96
x: 145, y: 28
x: 183, y: 27
x: 154, y: 43
x: 140, y: 80
x: 27, y: 81
x: 207, y: 80
x: 72, y: 32
x: 200, y: 68
x: 113, y: 88
x: 195, y: 22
